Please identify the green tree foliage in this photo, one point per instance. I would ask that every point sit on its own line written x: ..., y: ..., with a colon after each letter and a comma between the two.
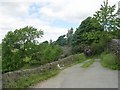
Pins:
x: 88, y: 32
x: 18, y: 45
x: 61, y: 40
x: 84, y: 33
x: 0, y: 49
x: 107, y: 17
x: 116, y: 32
x: 65, y: 39
x: 97, y: 31
x: 90, y: 24
x: 101, y: 44
x: 45, y: 53
x: 21, y: 49
x: 52, y: 53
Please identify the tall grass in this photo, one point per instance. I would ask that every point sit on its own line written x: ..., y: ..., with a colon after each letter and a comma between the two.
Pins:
x: 110, y: 60
x: 33, y: 79
x: 79, y: 58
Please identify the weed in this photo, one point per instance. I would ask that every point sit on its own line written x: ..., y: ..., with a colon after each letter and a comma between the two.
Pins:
x: 88, y: 63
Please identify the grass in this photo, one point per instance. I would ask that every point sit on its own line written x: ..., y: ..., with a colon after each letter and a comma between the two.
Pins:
x: 81, y: 58
x: 78, y: 59
x: 25, y: 82
x: 110, y: 61
x: 88, y: 63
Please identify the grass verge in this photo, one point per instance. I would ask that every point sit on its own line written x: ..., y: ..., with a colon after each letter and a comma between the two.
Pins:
x: 79, y: 59
x: 88, y: 63
x: 110, y: 61
x: 25, y: 82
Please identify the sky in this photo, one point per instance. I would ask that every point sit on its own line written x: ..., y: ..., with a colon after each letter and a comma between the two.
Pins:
x: 53, y: 17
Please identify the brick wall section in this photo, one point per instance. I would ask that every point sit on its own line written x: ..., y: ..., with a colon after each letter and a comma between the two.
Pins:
x: 14, y: 76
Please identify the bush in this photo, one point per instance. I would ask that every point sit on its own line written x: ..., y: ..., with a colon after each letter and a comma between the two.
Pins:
x: 78, y: 48
x: 50, y: 53
x: 45, y: 53
x: 101, y: 45
x: 97, y: 48
x: 79, y: 57
x: 110, y: 60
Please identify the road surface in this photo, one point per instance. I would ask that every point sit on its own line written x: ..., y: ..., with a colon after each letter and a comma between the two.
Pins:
x: 94, y: 76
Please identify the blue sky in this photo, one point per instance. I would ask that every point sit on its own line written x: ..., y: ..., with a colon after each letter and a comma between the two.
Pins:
x: 54, y: 17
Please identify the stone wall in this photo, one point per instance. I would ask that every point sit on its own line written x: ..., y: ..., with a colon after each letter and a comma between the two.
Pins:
x: 14, y: 76
x: 115, y: 47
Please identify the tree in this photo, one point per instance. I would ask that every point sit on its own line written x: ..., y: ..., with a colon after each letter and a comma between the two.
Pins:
x: 107, y: 16
x: 46, y: 53
x: 46, y: 42
x: 87, y: 33
x: 18, y: 45
x: 89, y: 25
x: 0, y: 49
x: 61, y: 40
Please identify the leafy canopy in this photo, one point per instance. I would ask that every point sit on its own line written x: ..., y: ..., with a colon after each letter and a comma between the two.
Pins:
x: 18, y: 45
x: 107, y: 17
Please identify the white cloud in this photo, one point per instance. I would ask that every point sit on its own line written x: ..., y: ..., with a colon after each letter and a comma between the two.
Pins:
x: 15, y: 14
x: 72, y: 11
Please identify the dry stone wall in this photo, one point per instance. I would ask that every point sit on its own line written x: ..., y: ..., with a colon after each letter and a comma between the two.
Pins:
x: 115, y: 47
x: 14, y: 76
